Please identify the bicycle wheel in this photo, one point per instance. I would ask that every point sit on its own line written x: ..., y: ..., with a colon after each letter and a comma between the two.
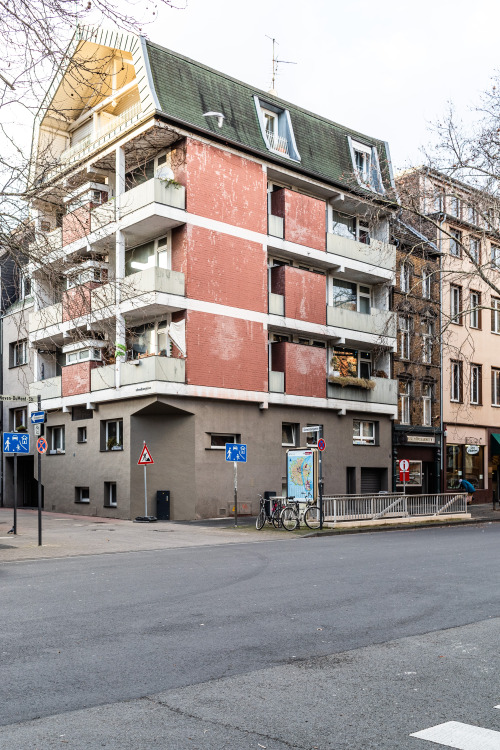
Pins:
x: 312, y: 517
x: 289, y: 518
x: 261, y: 520
x: 277, y: 522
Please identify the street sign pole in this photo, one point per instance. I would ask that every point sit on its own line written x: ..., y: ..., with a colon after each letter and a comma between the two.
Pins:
x: 320, y: 435
x: 15, y: 494
x: 235, y: 493
x: 39, y: 488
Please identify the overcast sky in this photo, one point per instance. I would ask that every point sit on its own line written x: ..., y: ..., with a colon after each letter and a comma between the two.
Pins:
x: 385, y: 68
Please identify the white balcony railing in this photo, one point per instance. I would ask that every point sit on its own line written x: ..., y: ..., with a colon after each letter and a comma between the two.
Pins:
x: 47, y: 316
x: 385, y: 392
x: 379, y: 322
x: 276, y: 304
x: 113, y: 126
x: 165, y: 369
x: 376, y: 253
x: 276, y: 382
x: 48, y: 388
x: 275, y: 226
x: 277, y: 142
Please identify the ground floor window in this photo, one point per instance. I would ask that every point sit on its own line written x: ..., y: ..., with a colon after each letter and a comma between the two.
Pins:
x: 82, y: 495
x: 363, y: 433
x: 114, y: 435
x: 110, y: 494
x: 464, y: 462
x: 57, y: 440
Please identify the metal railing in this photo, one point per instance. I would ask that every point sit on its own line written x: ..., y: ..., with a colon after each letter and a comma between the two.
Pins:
x: 277, y: 142
x: 375, y: 507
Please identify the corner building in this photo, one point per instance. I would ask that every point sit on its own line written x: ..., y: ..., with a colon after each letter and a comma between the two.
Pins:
x: 224, y: 273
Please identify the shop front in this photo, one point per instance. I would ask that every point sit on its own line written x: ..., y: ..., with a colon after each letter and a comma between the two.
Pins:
x: 467, y: 457
x: 424, y: 454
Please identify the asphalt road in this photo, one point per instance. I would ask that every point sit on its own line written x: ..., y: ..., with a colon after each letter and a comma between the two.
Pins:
x: 345, y: 642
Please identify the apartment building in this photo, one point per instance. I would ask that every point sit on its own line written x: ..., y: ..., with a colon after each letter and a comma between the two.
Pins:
x: 417, y: 361
x: 212, y: 264
x: 464, y: 224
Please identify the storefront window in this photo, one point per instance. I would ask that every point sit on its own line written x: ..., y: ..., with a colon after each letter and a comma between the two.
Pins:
x: 464, y: 462
x: 415, y: 474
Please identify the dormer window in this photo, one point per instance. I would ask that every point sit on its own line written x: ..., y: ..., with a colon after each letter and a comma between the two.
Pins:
x: 366, y: 165
x: 276, y: 129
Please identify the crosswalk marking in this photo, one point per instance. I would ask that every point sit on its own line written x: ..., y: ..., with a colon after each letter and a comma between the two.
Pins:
x: 461, y: 736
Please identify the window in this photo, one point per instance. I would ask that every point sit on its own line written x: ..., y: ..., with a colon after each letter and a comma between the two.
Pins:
x: 427, y: 340
x: 83, y: 354
x: 82, y: 495
x: 92, y: 274
x: 455, y: 243
x: 81, y: 412
x: 19, y: 420
x: 351, y: 296
x: 404, y: 336
x: 495, y: 387
x: 475, y: 384
x: 154, y: 254
x: 464, y: 462
x: 404, y: 401
x: 24, y: 285
x: 439, y: 202
x: 19, y: 353
x: 427, y: 405
x: 495, y: 256
x: 349, y: 226
x: 311, y: 437
x: 288, y: 433
x: 276, y: 128
x: 454, y: 206
x: 366, y: 165
x: 148, y: 339
x: 426, y: 283
x: 351, y: 363
x: 475, y: 249
x: 475, y: 309
x: 57, y: 440
x: 495, y: 315
x: 472, y: 214
x: 144, y: 172
x: 456, y: 382
x: 113, y: 435
x: 415, y: 472
x: 363, y: 433
x: 456, y: 304
x: 110, y: 494
x: 81, y: 435
x: 405, y: 277
x: 218, y: 441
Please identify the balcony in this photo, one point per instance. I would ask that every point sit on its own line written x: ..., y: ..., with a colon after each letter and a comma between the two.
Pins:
x: 152, y: 191
x: 276, y: 304
x: 165, y: 369
x: 385, y: 392
x: 45, y: 243
x: 275, y: 226
x: 276, y: 382
x: 379, y: 323
x: 379, y: 254
x: 47, y: 316
x: 48, y: 388
x: 102, y: 215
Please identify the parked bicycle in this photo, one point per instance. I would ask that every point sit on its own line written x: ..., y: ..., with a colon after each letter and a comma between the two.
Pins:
x: 270, y: 512
x: 292, y: 515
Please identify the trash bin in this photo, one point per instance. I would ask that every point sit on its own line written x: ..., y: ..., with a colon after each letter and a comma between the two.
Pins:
x: 163, y: 505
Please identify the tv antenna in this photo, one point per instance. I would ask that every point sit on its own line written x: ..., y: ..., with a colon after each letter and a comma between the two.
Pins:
x: 277, y: 62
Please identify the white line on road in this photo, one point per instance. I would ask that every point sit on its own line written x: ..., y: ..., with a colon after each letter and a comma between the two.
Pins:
x: 461, y: 736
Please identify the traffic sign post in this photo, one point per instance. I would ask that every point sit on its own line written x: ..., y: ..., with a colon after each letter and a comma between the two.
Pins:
x: 404, y: 473
x: 145, y: 459
x: 237, y: 453
x: 42, y: 418
x: 16, y: 442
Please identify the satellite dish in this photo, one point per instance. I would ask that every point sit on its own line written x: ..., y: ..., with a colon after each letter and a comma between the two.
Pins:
x: 165, y: 173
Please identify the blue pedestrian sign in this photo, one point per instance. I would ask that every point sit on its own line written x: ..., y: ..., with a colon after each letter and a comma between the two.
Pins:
x: 236, y: 452
x: 16, y: 442
x: 38, y: 417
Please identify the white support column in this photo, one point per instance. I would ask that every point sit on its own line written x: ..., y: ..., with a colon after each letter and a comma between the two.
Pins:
x: 119, y: 263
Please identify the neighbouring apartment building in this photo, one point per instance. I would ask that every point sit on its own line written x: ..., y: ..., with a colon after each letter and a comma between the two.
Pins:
x: 212, y: 264
x: 417, y: 361
x: 464, y: 225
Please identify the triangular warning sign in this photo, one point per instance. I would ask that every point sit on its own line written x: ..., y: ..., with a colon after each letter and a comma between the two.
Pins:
x: 145, y: 458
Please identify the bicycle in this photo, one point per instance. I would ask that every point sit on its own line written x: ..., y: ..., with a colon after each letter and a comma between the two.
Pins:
x: 268, y: 514
x: 292, y: 515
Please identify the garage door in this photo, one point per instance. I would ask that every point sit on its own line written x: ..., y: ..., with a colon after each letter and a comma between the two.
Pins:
x: 371, y: 480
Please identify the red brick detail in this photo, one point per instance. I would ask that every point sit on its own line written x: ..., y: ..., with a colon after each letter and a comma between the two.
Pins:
x: 304, y: 292
x: 225, y: 186
x: 76, y: 224
x: 220, y: 268
x: 76, y: 301
x: 304, y: 368
x: 304, y: 217
x: 225, y: 352
x: 76, y: 378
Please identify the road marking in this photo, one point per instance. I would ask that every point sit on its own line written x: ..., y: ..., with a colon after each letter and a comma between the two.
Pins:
x: 461, y: 736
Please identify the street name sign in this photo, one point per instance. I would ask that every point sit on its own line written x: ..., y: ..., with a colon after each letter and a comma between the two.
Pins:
x: 145, y: 459
x: 38, y: 417
x: 5, y: 397
x: 236, y: 452
x: 16, y: 442
x: 314, y: 428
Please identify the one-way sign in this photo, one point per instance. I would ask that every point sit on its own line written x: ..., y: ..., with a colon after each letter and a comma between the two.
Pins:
x: 38, y: 417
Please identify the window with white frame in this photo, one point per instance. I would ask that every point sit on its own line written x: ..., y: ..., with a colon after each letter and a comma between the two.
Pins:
x: 439, y: 201
x: 455, y: 243
x: 24, y: 285
x: 276, y: 129
x: 456, y: 381
x: 350, y: 363
x: 363, y: 432
x: 472, y: 214
x: 456, y: 304
x: 110, y: 494
x: 154, y: 254
x: 404, y: 401
x: 19, y: 419
x: 114, y: 435
x: 475, y: 309
x: 82, y: 495
x: 145, y: 171
x: 148, y: 339
x: 81, y: 435
x: 495, y: 315
x: 475, y: 249
x: 454, y: 205
x: 405, y: 273
x: 288, y: 433
x: 495, y: 256
x: 404, y: 336
x: 19, y: 353
x: 57, y: 440
x: 351, y: 296
x: 81, y: 355
x: 475, y: 384
x: 351, y: 227
x: 495, y: 387
x: 427, y: 341
x: 366, y: 165
x: 427, y: 405
x: 426, y: 283
x: 218, y: 440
